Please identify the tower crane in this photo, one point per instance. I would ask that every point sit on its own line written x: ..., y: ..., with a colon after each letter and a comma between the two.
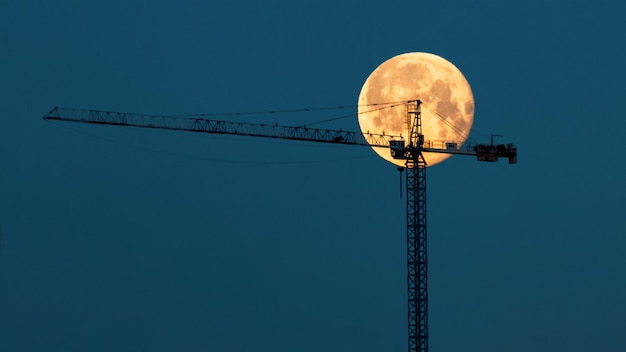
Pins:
x: 412, y: 152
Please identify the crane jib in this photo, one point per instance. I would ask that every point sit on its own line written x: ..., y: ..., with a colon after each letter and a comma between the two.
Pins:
x: 301, y: 133
x: 483, y: 152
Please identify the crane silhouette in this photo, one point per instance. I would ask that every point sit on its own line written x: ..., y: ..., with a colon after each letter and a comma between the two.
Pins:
x: 411, y: 151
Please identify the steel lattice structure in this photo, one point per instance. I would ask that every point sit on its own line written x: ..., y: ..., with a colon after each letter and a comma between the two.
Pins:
x: 197, y: 124
x: 417, y: 260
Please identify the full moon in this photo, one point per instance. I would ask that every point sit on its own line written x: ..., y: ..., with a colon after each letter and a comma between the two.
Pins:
x: 447, y: 108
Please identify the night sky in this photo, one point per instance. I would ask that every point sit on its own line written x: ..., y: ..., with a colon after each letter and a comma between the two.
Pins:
x: 126, y: 239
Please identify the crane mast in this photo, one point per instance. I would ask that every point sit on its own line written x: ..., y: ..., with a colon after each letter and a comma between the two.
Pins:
x: 417, y: 263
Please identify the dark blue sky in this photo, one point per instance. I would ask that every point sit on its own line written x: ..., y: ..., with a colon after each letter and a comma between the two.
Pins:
x: 140, y: 240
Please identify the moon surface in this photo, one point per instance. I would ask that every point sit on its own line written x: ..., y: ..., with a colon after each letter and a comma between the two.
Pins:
x: 447, y: 108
